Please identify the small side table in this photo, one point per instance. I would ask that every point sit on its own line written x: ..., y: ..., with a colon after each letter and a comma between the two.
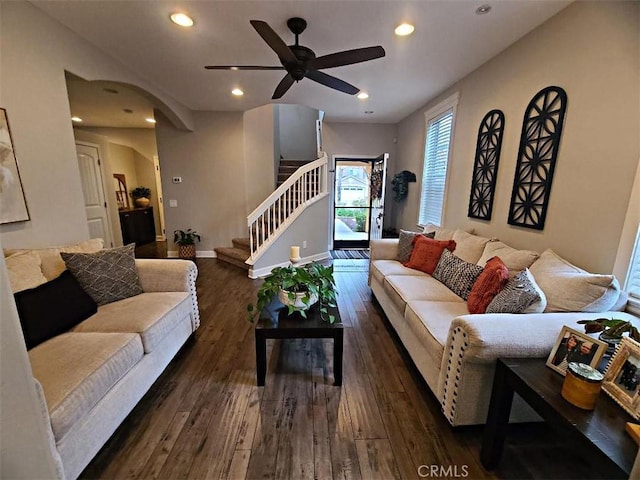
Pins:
x: 275, y: 323
x: 600, y: 432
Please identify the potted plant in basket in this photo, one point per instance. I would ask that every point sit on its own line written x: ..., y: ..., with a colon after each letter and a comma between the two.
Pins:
x: 612, y: 330
x: 141, y: 196
x: 298, y: 288
x: 186, y: 241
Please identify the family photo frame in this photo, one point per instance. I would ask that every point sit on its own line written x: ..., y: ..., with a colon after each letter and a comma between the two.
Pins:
x: 575, y: 346
x: 622, y: 376
x: 13, y: 206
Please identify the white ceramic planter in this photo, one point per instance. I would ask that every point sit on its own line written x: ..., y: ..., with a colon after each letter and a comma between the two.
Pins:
x: 298, y: 304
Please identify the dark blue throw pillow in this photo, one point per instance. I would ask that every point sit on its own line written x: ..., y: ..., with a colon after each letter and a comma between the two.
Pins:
x: 52, y: 308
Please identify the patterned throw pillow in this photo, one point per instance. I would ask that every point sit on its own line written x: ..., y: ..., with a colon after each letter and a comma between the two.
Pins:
x: 491, y: 281
x: 520, y: 295
x: 458, y: 275
x: 405, y: 244
x: 427, y: 252
x: 107, y: 275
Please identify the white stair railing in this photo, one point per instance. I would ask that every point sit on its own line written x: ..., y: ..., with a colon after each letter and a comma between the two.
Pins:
x: 273, y: 216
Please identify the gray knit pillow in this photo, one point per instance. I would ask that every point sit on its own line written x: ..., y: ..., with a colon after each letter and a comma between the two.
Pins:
x: 520, y: 295
x: 458, y: 275
x: 405, y: 244
x: 106, y: 275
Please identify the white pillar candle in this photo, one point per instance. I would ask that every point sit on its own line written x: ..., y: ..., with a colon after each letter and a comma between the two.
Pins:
x: 295, y: 252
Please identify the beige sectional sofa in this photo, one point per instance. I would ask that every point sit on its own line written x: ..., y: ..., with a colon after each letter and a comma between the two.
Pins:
x: 91, y: 377
x: 456, y: 351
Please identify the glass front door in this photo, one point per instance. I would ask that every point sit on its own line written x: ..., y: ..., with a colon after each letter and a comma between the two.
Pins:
x: 352, y: 203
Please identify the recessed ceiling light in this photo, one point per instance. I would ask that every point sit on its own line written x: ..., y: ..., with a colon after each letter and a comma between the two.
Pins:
x: 76, y: 119
x: 150, y: 120
x: 404, y: 29
x: 482, y: 9
x: 182, y: 19
x: 363, y: 95
x: 237, y: 92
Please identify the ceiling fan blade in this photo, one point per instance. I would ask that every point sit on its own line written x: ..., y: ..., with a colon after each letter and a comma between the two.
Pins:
x: 332, y: 82
x: 283, y: 86
x: 346, y: 57
x: 241, y: 67
x: 274, y: 41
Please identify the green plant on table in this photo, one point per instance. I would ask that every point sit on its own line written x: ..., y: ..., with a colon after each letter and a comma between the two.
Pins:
x: 613, y: 328
x: 311, y: 279
x: 185, y: 237
x: 140, y: 192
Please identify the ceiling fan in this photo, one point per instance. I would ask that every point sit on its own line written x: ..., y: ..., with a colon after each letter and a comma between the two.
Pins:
x: 300, y: 61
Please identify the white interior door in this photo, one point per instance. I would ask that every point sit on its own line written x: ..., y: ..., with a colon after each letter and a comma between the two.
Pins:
x: 95, y: 202
x: 378, y: 174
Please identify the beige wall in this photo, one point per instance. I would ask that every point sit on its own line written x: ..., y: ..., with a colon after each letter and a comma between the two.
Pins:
x: 259, y: 151
x: 210, y: 160
x: 141, y: 139
x: 297, y: 132
x: 591, y: 49
x: 36, y: 51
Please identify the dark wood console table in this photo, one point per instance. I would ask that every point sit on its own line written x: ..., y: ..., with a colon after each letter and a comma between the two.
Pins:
x: 137, y: 226
x: 600, y: 432
x: 275, y: 323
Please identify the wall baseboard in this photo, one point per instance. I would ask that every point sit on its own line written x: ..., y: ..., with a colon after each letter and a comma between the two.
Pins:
x: 264, y: 271
x: 199, y: 254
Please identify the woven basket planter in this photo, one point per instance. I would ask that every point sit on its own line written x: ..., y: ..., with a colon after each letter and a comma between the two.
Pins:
x: 187, y: 252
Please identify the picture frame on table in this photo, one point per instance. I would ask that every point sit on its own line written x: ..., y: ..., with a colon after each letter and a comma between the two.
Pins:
x: 575, y: 346
x: 622, y: 376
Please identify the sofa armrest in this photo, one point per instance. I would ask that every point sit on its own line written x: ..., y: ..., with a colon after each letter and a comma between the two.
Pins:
x: 384, y: 249
x: 158, y: 275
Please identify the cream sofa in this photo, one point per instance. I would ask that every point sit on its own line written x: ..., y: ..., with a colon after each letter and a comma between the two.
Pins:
x: 90, y: 378
x: 456, y: 351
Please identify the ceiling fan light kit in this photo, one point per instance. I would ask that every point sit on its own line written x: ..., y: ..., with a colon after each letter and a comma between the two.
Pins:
x: 300, y: 61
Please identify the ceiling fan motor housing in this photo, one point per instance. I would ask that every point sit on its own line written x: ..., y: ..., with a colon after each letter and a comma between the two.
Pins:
x: 303, y: 54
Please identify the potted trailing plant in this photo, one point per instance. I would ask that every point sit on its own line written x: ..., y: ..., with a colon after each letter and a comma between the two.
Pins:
x: 141, y: 196
x: 186, y: 241
x: 298, y: 288
x: 611, y: 330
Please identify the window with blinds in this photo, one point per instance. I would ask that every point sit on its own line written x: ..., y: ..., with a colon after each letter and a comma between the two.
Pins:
x: 436, y: 160
x: 633, y: 277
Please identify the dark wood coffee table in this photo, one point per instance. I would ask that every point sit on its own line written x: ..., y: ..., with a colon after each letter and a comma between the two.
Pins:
x: 275, y: 323
x: 599, y: 433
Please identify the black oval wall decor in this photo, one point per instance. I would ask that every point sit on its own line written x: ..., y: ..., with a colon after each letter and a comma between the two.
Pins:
x: 485, y: 167
x: 539, y: 142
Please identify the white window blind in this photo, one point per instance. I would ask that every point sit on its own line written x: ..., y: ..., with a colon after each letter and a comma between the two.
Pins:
x: 633, y: 276
x: 434, y: 175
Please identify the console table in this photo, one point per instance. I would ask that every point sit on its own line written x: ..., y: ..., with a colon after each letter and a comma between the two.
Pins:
x: 599, y: 432
x: 275, y: 323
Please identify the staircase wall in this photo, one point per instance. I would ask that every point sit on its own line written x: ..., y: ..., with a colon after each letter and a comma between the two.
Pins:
x: 297, y: 132
x: 312, y: 226
x: 259, y: 154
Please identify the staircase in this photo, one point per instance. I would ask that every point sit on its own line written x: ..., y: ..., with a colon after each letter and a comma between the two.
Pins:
x: 300, y: 184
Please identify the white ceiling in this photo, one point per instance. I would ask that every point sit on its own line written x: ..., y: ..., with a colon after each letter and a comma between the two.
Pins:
x: 449, y: 42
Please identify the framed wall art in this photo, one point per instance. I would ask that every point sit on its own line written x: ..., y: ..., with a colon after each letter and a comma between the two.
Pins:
x: 13, y: 206
x: 537, y: 154
x: 485, y: 167
x: 622, y: 376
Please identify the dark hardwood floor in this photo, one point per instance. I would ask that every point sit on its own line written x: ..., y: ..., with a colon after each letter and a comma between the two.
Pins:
x: 206, y: 418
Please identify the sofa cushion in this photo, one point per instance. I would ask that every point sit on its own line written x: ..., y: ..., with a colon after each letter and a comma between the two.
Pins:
x: 382, y: 268
x: 405, y: 244
x: 24, y: 271
x: 151, y: 315
x: 571, y: 289
x: 404, y: 288
x: 430, y: 322
x: 469, y: 247
x: 439, y: 232
x: 515, y: 260
x: 52, y: 264
x: 457, y: 274
x: 77, y: 369
x: 52, y: 308
x: 520, y: 295
x: 490, y: 282
x: 107, y: 275
x: 426, y: 253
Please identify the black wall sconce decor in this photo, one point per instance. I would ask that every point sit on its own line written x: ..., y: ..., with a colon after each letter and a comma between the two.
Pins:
x: 539, y: 143
x: 485, y: 167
